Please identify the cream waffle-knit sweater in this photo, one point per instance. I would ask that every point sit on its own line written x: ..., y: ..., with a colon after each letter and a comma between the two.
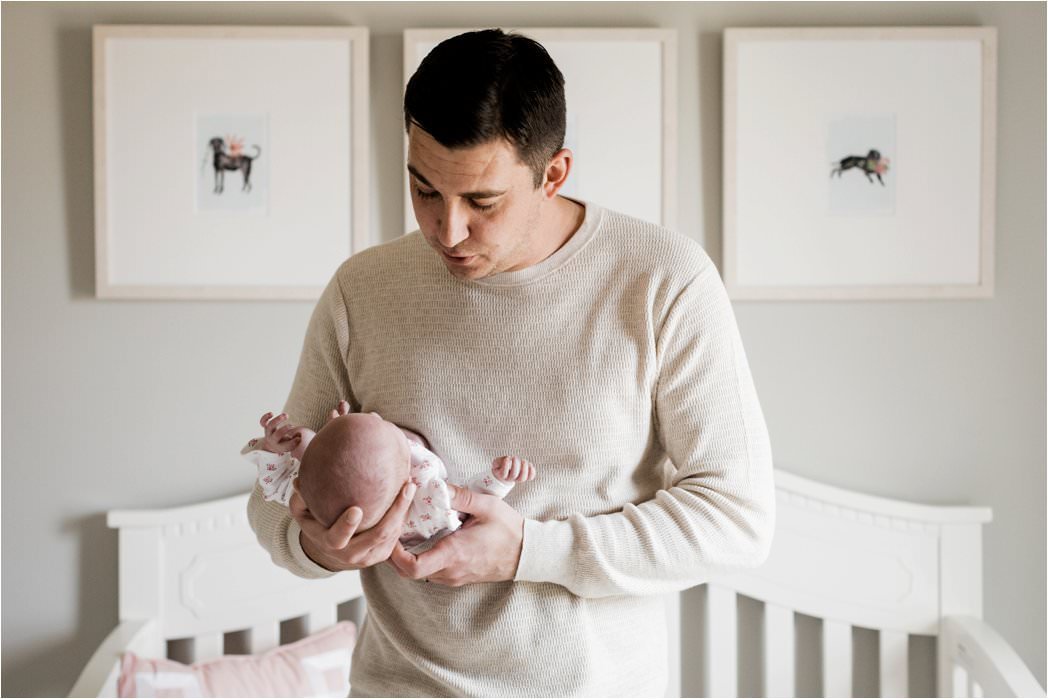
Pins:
x: 597, y: 364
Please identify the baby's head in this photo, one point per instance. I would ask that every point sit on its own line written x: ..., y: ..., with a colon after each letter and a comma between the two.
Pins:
x: 356, y: 459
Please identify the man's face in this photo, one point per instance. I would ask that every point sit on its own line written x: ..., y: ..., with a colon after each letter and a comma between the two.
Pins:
x: 477, y: 207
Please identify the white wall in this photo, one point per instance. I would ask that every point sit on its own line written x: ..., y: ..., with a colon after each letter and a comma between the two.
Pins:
x: 144, y: 404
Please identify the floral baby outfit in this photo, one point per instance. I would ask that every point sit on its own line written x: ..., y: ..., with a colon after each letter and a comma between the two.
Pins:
x: 275, y: 471
x: 431, y: 514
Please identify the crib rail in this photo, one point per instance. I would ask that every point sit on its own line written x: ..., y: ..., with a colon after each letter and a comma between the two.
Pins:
x: 201, y: 571
x: 98, y: 678
x: 860, y: 563
x: 779, y: 652
x: 976, y: 662
x: 856, y: 563
x: 206, y: 587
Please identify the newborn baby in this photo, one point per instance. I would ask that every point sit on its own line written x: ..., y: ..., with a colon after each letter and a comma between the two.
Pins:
x: 360, y: 459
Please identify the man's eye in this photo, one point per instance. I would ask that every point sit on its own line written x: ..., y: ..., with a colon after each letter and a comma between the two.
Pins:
x: 423, y: 194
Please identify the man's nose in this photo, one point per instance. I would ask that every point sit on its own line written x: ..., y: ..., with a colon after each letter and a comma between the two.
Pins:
x: 454, y: 227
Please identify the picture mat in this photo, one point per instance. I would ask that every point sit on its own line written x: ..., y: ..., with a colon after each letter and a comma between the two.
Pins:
x: 787, y: 92
x: 618, y: 125
x: 154, y: 87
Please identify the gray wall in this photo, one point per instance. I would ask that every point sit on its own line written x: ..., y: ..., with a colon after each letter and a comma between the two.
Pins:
x: 145, y: 404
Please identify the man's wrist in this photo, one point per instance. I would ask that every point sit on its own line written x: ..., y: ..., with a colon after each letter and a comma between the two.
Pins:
x: 305, y: 549
x: 547, y: 553
x: 306, y: 560
x: 520, y: 550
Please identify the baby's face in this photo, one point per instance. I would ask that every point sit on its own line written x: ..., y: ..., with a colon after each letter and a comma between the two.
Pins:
x: 357, y: 459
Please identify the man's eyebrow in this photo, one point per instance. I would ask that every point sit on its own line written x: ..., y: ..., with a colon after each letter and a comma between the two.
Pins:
x: 487, y: 194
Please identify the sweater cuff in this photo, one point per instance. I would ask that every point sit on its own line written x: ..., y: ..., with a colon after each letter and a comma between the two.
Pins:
x: 308, y: 566
x: 547, y: 553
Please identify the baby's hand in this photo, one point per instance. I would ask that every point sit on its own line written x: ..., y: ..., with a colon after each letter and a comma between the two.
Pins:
x: 281, y: 436
x: 509, y: 469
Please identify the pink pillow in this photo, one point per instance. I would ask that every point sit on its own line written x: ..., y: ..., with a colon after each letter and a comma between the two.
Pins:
x: 316, y: 666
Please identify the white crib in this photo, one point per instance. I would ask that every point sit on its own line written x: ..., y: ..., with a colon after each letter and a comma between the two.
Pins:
x: 848, y: 559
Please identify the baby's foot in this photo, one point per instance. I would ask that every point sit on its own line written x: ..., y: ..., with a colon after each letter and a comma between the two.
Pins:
x: 510, y: 469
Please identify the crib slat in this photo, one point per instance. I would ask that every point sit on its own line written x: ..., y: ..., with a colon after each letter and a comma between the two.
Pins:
x: 894, y: 664
x: 207, y: 646
x: 836, y: 659
x: 778, y: 651
x: 960, y: 683
x: 321, y: 618
x: 673, y: 622
x: 722, y: 674
x: 974, y: 690
x: 265, y: 637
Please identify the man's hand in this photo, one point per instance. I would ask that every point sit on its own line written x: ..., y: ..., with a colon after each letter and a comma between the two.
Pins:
x: 339, y: 547
x: 486, y: 549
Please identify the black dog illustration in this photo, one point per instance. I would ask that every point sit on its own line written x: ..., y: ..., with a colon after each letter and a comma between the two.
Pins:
x: 872, y: 163
x: 234, y: 160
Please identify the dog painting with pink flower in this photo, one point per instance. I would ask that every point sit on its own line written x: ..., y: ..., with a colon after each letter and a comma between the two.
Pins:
x: 873, y: 163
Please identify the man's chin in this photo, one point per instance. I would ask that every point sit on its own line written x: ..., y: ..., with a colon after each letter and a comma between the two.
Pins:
x: 467, y: 271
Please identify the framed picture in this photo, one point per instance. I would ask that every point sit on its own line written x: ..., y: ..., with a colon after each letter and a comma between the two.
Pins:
x: 859, y: 163
x: 230, y: 162
x: 623, y: 132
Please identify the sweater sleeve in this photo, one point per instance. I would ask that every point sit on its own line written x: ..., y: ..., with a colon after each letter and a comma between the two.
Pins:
x: 718, y: 512
x: 320, y: 382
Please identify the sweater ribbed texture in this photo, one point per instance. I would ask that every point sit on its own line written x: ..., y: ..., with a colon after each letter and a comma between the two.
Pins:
x: 598, y: 364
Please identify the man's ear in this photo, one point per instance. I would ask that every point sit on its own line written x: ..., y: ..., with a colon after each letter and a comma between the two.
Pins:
x: 297, y: 505
x: 557, y: 172
x: 294, y: 487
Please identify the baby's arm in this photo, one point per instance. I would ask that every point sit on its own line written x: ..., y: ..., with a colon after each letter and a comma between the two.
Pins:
x: 277, y: 455
x: 505, y: 471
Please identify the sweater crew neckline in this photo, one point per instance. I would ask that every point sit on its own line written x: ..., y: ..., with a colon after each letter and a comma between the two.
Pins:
x: 590, y: 225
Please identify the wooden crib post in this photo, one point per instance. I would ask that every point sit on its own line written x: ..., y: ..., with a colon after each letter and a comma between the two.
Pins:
x: 141, y: 576
x: 722, y: 642
x: 960, y: 588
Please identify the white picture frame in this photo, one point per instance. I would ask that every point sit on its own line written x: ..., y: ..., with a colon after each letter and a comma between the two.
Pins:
x: 635, y: 171
x: 175, y: 223
x: 807, y: 214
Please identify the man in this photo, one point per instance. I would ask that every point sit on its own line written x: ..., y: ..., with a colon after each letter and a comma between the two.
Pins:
x: 517, y: 321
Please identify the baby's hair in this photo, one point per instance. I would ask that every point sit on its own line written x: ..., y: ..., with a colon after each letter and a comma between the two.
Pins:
x: 346, y: 465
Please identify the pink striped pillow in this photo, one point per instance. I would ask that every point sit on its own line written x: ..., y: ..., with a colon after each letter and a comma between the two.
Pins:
x: 316, y: 666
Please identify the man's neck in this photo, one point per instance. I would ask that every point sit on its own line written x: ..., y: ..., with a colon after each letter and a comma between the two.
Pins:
x: 567, y: 217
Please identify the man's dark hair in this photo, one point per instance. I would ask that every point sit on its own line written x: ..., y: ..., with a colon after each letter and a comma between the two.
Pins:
x: 481, y: 86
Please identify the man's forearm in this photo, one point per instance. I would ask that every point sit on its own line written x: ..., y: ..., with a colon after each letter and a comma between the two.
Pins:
x: 669, y: 543
x: 278, y: 534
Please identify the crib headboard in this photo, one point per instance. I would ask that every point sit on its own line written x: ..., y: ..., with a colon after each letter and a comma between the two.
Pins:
x: 850, y: 560
x: 845, y: 558
x: 200, y: 573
